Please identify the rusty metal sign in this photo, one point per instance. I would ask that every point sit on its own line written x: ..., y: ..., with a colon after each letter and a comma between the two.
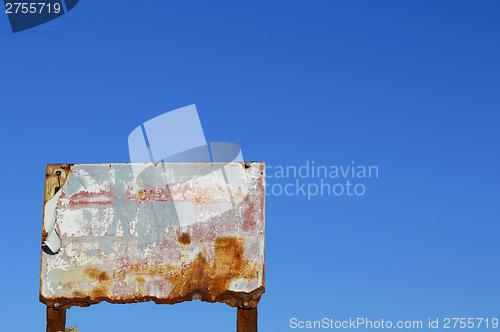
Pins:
x: 163, y: 232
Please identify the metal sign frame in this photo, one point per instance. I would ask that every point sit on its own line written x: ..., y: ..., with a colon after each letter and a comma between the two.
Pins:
x: 162, y: 232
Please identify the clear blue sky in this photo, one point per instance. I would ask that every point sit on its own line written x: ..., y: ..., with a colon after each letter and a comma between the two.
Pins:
x: 409, y: 86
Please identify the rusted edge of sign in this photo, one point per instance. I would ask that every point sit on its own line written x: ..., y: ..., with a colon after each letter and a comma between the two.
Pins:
x: 233, y: 299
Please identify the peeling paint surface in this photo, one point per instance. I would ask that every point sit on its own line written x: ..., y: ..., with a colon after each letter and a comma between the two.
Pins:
x: 164, y: 232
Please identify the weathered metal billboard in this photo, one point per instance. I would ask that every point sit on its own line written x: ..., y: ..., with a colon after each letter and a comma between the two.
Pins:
x: 163, y: 232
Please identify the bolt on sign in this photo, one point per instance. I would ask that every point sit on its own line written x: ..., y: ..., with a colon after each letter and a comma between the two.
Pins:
x: 162, y: 232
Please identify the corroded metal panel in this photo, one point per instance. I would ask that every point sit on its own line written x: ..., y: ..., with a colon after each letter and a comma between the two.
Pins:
x: 164, y: 232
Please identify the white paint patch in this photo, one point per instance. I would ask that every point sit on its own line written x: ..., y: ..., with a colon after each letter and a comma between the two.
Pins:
x: 240, y: 285
x: 53, y: 241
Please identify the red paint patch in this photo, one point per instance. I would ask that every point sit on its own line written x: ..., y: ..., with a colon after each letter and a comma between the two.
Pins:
x: 86, y: 199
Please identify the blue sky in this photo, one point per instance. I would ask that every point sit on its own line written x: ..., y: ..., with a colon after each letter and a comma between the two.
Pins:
x: 409, y: 86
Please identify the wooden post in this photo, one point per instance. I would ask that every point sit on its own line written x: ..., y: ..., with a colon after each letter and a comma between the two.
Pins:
x: 246, y: 320
x: 56, y: 320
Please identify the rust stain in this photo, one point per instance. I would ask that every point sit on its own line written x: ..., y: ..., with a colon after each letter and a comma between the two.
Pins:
x: 103, y: 287
x: 92, y: 272
x: 184, y: 239
x: 95, y: 273
x: 209, y: 280
x: 228, y: 254
x: 199, y: 198
x: 141, y: 194
x: 52, y: 179
x: 103, y: 276
x: 99, y: 291
x: 203, y: 279
x: 152, y: 195
x: 206, y: 279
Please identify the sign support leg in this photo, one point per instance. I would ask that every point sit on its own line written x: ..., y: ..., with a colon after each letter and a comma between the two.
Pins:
x: 246, y: 320
x: 56, y: 320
